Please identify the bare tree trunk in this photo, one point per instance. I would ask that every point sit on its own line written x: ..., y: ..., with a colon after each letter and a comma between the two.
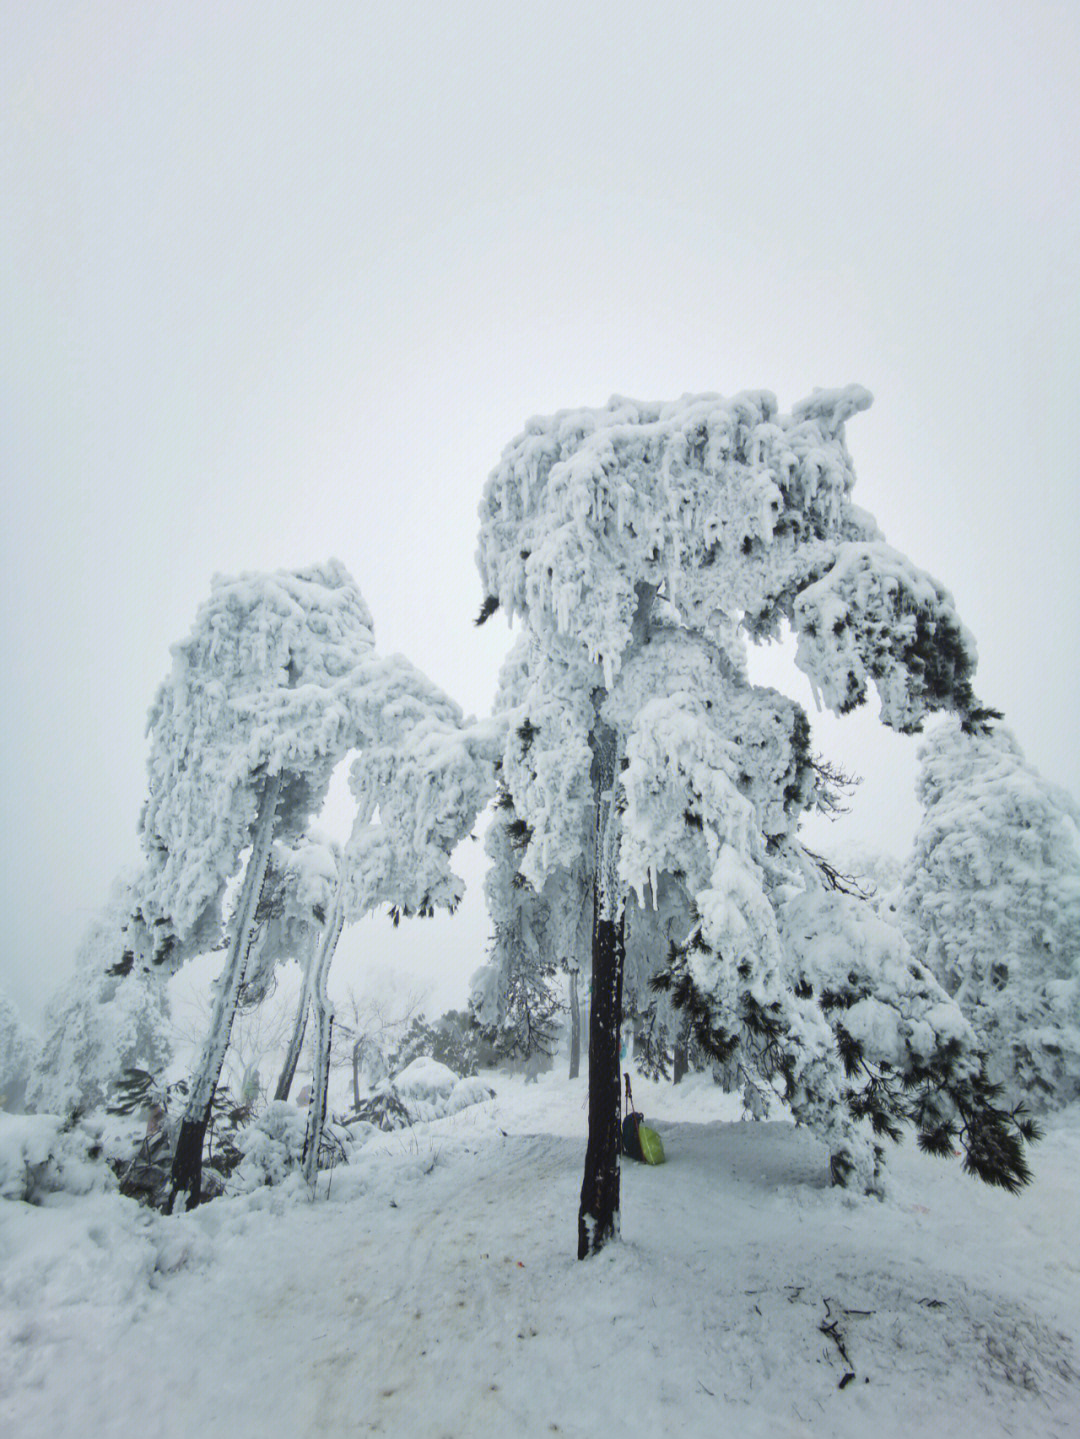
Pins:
x: 598, y: 1215
x: 187, y: 1161
x: 296, y: 1043
x: 324, y: 1028
x: 575, y: 1023
x: 681, y: 1053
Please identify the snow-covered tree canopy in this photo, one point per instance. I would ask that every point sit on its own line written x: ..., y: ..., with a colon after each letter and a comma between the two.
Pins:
x: 266, y: 685
x: 428, y: 773
x: 736, y: 515
x: 991, y: 901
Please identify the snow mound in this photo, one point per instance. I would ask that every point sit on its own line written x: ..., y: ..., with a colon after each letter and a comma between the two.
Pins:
x: 425, y: 1080
x: 40, y: 1155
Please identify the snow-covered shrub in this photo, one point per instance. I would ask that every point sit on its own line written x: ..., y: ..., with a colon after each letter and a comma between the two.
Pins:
x: 44, y: 1154
x: 272, y: 1148
x: 467, y: 1091
x: 991, y: 902
x: 385, y: 1109
x: 423, y: 1091
x: 424, y: 1086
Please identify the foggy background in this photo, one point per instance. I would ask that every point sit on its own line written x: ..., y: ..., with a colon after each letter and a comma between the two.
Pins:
x: 280, y: 280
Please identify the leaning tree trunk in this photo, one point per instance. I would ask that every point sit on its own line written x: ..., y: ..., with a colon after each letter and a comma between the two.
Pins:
x: 598, y: 1215
x: 324, y: 1028
x: 575, y: 1023
x: 187, y: 1161
x: 296, y: 1043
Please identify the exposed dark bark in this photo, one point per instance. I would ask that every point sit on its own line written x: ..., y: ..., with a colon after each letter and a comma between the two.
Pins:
x: 296, y: 1043
x: 598, y: 1216
x: 680, y: 1062
x: 187, y: 1161
x: 575, y: 1025
x: 186, y: 1174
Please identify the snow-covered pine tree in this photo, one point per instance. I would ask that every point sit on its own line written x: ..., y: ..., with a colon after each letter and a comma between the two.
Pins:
x: 277, y: 683
x: 991, y: 903
x: 18, y: 1055
x: 642, y: 545
x: 110, y: 1015
x: 245, y: 734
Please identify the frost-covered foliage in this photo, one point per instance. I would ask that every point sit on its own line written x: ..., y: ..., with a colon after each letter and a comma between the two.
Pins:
x: 18, y: 1053
x: 991, y: 902
x: 111, y: 1015
x: 267, y: 684
x: 643, y: 545
x: 455, y: 1040
x: 42, y: 1154
x: 277, y: 683
x: 515, y: 997
x: 428, y: 773
x: 296, y: 898
x: 740, y: 515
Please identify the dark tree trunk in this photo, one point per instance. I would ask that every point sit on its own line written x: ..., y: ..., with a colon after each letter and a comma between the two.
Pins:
x: 187, y: 1162
x: 598, y: 1216
x: 186, y: 1175
x: 575, y: 1025
x: 681, y: 1055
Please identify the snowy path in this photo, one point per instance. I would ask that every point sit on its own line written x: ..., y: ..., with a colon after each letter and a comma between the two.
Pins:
x: 436, y: 1294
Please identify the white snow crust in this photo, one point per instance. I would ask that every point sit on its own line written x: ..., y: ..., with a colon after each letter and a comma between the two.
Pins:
x: 434, y: 1291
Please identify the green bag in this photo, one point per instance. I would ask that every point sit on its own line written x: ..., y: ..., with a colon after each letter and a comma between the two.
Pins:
x: 652, y: 1148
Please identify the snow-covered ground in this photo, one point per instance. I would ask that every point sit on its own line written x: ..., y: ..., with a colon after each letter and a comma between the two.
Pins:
x: 434, y: 1292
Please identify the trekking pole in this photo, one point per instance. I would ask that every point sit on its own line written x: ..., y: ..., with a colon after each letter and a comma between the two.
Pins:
x: 629, y: 1101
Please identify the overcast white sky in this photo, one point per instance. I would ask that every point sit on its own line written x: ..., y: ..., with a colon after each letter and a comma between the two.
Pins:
x: 280, y: 280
